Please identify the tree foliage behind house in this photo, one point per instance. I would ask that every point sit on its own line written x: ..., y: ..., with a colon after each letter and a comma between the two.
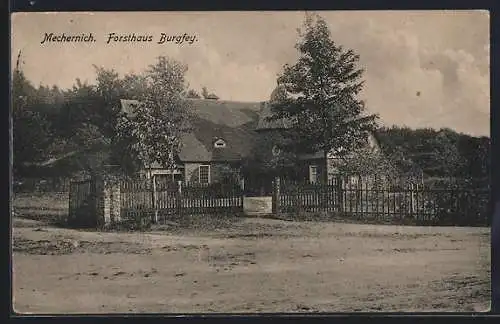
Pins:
x: 51, y: 122
x: 439, y: 153
x: 191, y: 93
x: 31, y: 133
x: 208, y: 95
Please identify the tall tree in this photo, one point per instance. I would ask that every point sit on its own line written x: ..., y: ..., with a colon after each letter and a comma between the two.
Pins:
x: 91, y: 112
x: 110, y: 89
x: 322, y: 88
x: 439, y: 153
x: 134, y: 86
x: 80, y: 117
x: 154, y: 134
x: 30, y: 131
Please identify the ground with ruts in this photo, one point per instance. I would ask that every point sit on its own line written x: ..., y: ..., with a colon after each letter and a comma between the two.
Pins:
x: 245, y: 265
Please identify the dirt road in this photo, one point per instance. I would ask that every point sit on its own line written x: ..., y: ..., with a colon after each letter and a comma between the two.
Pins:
x: 254, y: 265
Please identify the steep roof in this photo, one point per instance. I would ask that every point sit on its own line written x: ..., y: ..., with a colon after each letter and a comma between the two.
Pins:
x: 265, y: 123
x: 232, y: 121
x: 228, y: 113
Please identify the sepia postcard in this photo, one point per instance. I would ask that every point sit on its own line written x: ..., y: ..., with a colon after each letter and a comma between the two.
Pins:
x: 250, y: 162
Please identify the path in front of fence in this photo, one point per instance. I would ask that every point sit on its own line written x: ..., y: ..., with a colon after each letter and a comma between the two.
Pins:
x: 252, y: 265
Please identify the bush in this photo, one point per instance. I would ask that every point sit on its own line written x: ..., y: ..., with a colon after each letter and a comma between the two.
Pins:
x: 458, y: 207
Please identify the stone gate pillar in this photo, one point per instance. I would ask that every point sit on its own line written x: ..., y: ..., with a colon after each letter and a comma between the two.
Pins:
x: 114, y: 201
x: 108, y: 203
x: 99, y: 194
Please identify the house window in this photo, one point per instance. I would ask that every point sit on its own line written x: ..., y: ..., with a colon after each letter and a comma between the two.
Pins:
x: 204, y: 174
x: 313, y: 173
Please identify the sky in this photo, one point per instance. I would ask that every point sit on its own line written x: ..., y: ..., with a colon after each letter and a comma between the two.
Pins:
x: 422, y: 68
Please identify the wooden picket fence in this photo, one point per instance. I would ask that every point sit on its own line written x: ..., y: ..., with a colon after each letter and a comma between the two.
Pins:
x: 145, y: 199
x: 352, y: 198
x: 365, y: 198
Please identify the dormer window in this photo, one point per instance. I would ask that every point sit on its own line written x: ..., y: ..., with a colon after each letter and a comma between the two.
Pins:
x: 220, y: 143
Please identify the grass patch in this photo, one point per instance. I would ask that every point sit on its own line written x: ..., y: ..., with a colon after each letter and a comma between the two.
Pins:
x: 46, y: 208
x: 42, y: 201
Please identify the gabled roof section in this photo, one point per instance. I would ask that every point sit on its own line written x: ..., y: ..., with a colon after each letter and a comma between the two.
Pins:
x: 227, y: 113
x: 239, y: 141
x: 232, y: 121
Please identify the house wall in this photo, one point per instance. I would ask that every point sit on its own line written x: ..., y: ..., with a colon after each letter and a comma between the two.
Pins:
x: 268, y: 138
x: 217, y: 171
x: 191, y: 172
x: 321, y: 169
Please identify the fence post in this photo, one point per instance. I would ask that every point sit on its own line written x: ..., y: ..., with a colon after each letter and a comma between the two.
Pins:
x: 100, y: 190
x: 242, y: 184
x: 276, y: 196
x: 340, y: 194
x: 71, y: 203
x: 241, y: 196
x: 179, y: 198
x: 412, y: 199
x: 115, y: 201
x: 153, y: 198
